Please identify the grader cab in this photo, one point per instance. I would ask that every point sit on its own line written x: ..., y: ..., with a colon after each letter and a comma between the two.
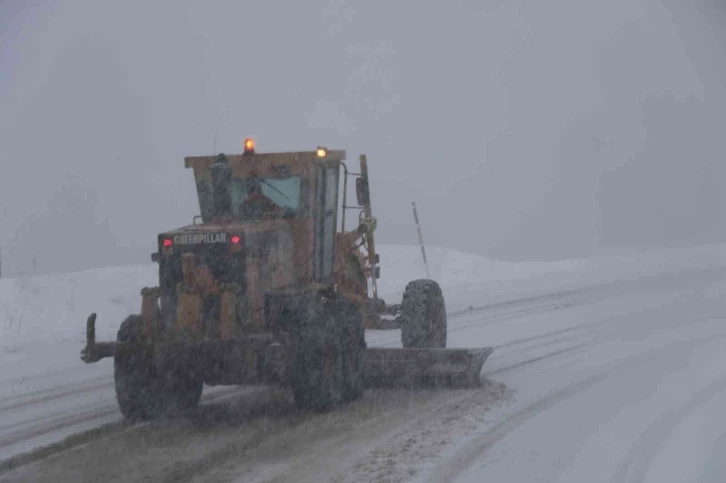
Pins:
x: 265, y: 289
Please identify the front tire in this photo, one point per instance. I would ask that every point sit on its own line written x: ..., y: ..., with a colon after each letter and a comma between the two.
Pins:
x: 142, y: 391
x: 353, y: 346
x: 423, y: 315
x: 328, y: 362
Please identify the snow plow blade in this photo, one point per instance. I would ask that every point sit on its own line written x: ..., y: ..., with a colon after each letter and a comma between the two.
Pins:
x: 410, y: 368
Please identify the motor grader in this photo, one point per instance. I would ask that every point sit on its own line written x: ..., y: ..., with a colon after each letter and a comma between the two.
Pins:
x: 263, y: 288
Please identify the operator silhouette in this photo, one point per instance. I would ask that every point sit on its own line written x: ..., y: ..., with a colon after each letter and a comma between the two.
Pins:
x: 256, y: 204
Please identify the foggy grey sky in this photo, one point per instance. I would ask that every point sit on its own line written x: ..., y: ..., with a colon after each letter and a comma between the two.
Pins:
x: 522, y: 129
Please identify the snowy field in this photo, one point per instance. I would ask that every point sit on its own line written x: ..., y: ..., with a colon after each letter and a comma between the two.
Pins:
x: 606, y: 369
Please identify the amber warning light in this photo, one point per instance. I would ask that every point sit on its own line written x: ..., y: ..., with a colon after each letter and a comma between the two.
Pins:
x: 249, y: 145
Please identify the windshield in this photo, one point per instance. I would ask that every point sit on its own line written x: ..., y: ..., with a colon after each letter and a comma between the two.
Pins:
x: 279, y: 194
x: 284, y: 193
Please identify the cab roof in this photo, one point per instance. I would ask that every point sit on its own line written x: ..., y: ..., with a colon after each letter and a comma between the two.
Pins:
x: 269, y: 159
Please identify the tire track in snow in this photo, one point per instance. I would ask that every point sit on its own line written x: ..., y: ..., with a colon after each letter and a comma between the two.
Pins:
x: 544, y: 339
x: 458, y: 326
x: 532, y: 360
x: 715, y: 273
x: 68, y: 419
x: 353, y: 445
x: 476, y: 448
x: 280, y: 443
x: 642, y: 453
x: 535, y: 338
x: 57, y: 422
x: 541, y: 304
x: 8, y: 403
x: 517, y: 301
x: 585, y: 296
x: 564, y: 299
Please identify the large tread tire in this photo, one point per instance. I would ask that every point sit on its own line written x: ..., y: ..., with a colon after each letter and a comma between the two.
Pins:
x: 318, y: 370
x: 353, y: 346
x: 141, y: 391
x: 423, y: 315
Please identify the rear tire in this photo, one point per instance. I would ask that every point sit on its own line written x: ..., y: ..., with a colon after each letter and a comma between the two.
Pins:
x: 353, y: 346
x: 142, y: 391
x: 423, y: 315
x: 327, y: 368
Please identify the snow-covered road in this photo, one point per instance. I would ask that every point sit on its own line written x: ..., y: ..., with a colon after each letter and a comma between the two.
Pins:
x: 596, y: 378
x: 625, y: 385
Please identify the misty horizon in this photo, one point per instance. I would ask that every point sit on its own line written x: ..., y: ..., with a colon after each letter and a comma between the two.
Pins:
x: 553, y: 131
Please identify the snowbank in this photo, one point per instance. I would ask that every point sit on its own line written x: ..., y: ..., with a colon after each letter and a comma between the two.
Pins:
x: 53, y: 308
x: 43, y: 317
x: 470, y: 280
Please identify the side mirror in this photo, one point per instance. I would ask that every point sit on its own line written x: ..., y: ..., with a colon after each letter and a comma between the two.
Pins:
x: 361, y: 191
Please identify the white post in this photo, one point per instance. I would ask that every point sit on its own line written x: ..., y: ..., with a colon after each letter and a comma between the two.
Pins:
x: 420, y: 239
